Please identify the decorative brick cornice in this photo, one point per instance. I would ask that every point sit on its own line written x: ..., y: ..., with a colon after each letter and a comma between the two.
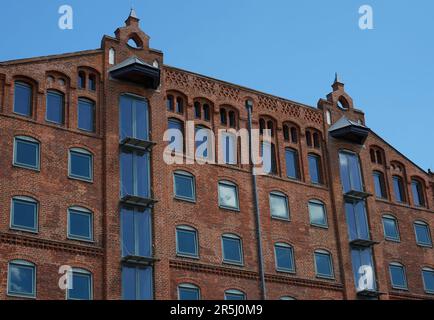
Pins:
x: 27, y: 241
x: 252, y: 275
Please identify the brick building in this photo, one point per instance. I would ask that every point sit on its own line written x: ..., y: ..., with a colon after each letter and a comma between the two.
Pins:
x: 342, y: 214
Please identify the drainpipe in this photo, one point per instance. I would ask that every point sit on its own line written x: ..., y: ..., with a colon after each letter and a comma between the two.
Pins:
x: 249, y: 106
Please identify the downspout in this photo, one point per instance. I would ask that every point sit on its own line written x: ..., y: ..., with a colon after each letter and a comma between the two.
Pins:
x: 249, y: 106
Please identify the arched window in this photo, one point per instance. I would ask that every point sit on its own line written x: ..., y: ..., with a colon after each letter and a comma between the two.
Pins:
x: 24, y: 214
x: 397, y: 276
x: 308, y: 138
x: 379, y: 185
x: 417, y: 189
x: 80, y: 224
x: 284, y: 255
x: 112, y: 57
x: 328, y: 117
x: 179, y: 105
x: 197, y: 110
x: 316, y: 140
x: 86, y: 115
x: 228, y: 195
x: 232, y: 123
x: 223, y: 119
x: 317, y: 213
x: 22, y: 279
x: 270, y: 126
x: 292, y: 163
x: 279, y: 205
x: 135, y: 42
x: 234, y: 295
x: 184, y: 186
x: 379, y: 157
x: 26, y: 153
x: 261, y: 126
x: 428, y: 280
x: 285, y: 132
x: 170, y: 103
x: 206, y: 112
x: 294, y: 135
x: 81, y: 80
x: 287, y: 298
x: 176, y: 131
x: 92, y: 82
x: 423, y: 234
x: 390, y: 227
x: 23, y: 95
x: 323, y: 264
x: 186, y: 241
x: 82, y: 286
x: 55, y: 108
x: 188, y: 291
x: 80, y: 164
x: 398, y: 189
x: 232, y: 249
x: 315, y: 169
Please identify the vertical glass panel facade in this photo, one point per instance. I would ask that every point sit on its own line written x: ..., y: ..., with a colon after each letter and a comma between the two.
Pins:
x: 23, y: 99
x: 136, y: 232
x: 363, y: 269
x: 137, y: 283
x: 291, y: 157
x: 86, y: 115
x: 350, y: 172
x: 55, y: 107
x: 135, y: 173
x: 133, y: 118
x: 357, y: 220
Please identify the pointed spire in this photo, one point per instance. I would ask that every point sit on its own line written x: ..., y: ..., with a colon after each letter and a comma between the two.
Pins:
x: 132, y: 18
x: 337, y: 78
x: 133, y: 13
x: 337, y: 84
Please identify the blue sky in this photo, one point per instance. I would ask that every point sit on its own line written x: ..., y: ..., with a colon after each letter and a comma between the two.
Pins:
x: 283, y: 47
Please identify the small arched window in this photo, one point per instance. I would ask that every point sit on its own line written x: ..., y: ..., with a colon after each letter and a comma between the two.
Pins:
x: 397, y: 276
x: 428, y: 280
x: 261, y: 126
x: 285, y: 132
x: 270, y: 126
x: 234, y: 295
x: 179, y: 105
x: 417, y: 189
x: 316, y: 140
x: 81, y: 80
x: 206, y: 112
x: 184, y: 186
x: 24, y: 214
x: 294, y: 135
x: 390, y: 228
x: 188, y: 291
x: 80, y: 224
x: 197, y: 110
x: 55, y: 108
x: 22, y: 279
x: 309, y: 138
x: 170, y: 103
x: 112, y: 56
x: 223, y: 119
x: 82, y: 286
x: 232, y: 119
x: 23, y: 96
x: 323, y: 264
x: 92, y: 82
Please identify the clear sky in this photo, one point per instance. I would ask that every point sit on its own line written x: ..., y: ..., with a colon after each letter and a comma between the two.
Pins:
x: 284, y: 47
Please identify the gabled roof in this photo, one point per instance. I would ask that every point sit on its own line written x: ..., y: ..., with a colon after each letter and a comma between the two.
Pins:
x: 129, y: 62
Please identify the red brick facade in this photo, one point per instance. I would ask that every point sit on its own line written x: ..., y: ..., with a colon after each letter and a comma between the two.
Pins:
x: 55, y: 192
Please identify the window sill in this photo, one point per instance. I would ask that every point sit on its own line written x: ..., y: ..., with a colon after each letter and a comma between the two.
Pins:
x: 81, y: 240
x: 426, y: 246
x: 22, y: 166
x: 281, y: 219
x: 16, y: 295
x: 186, y: 256
x: 400, y: 289
x: 286, y: 271
x: 330, y: 278
x: 15, y: 228
x: 233, y: 264
x: 319, y: 226
x: 192, y: 201
x: 230, y: 209
x: 90, y: 181
x: 392, y: 240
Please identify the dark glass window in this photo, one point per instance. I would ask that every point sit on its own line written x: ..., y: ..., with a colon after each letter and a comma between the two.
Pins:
x: 317, y: 213
x: 398, y: 188
x: 428, y: 279
x: 176, y: 131
x: 309, y: 138
x: 315, y: 169
x: 184, y: 186
x: 284, y: 257
x: 279, y: 205
x: 92, y: 82
x: 86, y: 115
x: 363, y: 269
x: 223, y: 118
x: 80, y: 226
x: 55, y: 107
x: 397, y: 276
x: 24, y: 214
x: 418, y: 194
x: 232, y: 122
x: 232, y: 249
x: 179, y: 105
x: 228, y: 195
x: 357, y: 220
x: 22, y: 279
x: 23, y: 99
x: 81, y: 285
x: 136, y: 232
x: 137, y: 283
x: 81, y: 80
x: 380, y: 189
x: 351, y: 178
x: 206, y: 112
x: 423, y: 234
x: 316, y: 140
x: 135, y: 174
x: 294, y: 135
x: 80, y: 164
x: 291, y: 157
x: 133, y: 118
x: 186, y: 241
x: 188, y: 291
x: 170, y: 103
x: 234, y: 295
x: 323, y: 264
x: 390, y: 226
x: 285, y: 132
x: 197, y: 110
x: 26, y: 153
